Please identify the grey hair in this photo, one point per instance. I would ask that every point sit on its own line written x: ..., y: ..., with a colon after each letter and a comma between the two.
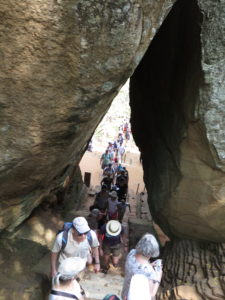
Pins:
x: 148, y: 246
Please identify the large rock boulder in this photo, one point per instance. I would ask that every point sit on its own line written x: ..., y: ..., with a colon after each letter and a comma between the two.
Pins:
x: 192, y: 270
x: 25, y: 257
x: 179, y: 91
x: 62, y: 64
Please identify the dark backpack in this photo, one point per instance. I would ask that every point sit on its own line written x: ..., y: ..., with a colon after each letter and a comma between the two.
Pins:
x: 65, y: 229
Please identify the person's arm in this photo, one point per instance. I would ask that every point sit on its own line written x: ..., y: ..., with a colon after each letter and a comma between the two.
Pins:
x: 123, y: 239
x: 100, y: 239
x: 55, y: 251
x: 153, y: 286
x: 100, y: 246
x: 154, y: 283
x: 54, y: 259
x: 95, y: 252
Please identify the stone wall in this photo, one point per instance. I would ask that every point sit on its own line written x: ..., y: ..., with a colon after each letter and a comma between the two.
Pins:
x: 62, y: 64
x: 177, y: 101
x: 192, y: 270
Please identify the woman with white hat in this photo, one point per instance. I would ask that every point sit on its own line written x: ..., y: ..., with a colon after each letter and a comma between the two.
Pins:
x: 111, y: 243
x: 64, y: 283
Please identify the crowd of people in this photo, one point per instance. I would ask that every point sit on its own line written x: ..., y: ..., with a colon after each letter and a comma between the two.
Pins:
x: 112, y: 199
x: 102, y: 234
x: 110, y: 204
x: 142, y: 278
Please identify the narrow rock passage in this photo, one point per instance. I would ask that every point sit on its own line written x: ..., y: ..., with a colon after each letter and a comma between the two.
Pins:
x: 98, y: 285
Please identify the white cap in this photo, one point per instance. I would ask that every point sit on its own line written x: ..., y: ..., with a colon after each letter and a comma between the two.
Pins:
x: 68, y: 269
x: 81, y: 225
x: 71, y: 266
x: 113, y: 227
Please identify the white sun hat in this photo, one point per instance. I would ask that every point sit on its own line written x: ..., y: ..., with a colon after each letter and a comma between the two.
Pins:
x: 71, y: 266
x: 69, y: 269
x: 113, y: 228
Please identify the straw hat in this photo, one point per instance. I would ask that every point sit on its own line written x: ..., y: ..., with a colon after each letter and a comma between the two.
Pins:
x: 113, y: 228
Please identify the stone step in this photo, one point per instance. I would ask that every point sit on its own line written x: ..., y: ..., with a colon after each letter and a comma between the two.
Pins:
x: 97, y: 285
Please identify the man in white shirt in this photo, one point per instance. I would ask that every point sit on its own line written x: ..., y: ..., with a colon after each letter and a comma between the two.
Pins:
x: 77, y: 245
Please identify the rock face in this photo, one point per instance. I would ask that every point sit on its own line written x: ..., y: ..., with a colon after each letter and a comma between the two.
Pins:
x: 25, y: 257
x: 177, y: 105
x: 62, y: 64
x: 193, y: 270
